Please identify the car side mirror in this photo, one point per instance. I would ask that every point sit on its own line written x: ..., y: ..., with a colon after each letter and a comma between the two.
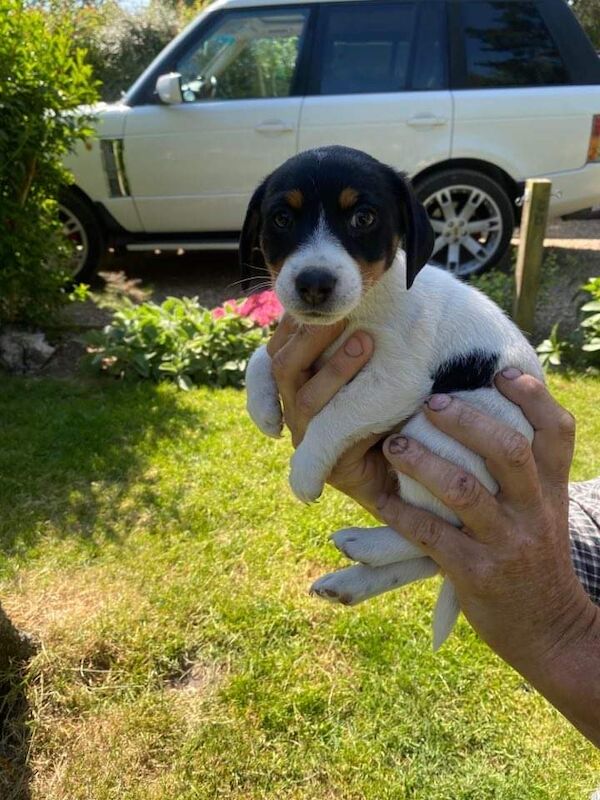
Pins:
x: 168, y: 88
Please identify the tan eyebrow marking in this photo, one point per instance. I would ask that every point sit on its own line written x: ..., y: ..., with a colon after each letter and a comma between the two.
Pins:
x: 295, y: 198
x: 348, y: 197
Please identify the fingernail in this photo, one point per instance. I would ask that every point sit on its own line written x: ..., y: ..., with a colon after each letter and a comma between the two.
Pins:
x: 437, y: 402
x: 397, y: 444
x: 510, y: 373
x: 353, y: 347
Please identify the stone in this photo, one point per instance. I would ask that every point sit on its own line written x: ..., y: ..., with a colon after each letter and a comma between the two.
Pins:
x: 24, y: 353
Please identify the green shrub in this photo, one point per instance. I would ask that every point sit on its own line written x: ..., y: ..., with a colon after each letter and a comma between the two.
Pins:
x: 582, y: 348
x: 498, y: 285
x: 177, y: 340
x: 122, y: 43
x: 43, y: 80
x: 590, y: 324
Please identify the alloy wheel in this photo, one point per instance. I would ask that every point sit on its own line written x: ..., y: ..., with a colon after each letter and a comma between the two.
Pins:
x: 75, y: 233
x: 468, y: 228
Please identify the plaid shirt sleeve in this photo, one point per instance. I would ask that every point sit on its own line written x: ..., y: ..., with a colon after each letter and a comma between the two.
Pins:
x: 584, y: 529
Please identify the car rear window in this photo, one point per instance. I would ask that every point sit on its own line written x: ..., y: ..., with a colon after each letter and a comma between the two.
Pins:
x: 366, y: 47
x: 508, y: 44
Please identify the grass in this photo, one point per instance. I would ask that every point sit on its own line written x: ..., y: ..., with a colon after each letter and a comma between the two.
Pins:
x: 150, y: 542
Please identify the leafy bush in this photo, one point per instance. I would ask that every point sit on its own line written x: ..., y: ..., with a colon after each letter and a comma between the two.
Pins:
x: 581, y: 349
x: 121, y: 43
x: 591, y: 322
x: 181, y: 341
x: 43, y: 80
x: 552, y: 351
x: 498, y: 285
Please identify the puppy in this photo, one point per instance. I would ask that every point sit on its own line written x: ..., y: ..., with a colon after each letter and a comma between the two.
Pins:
x: 344, y: 237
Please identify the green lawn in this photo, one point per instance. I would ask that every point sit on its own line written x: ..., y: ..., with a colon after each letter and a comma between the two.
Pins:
x: 150, y: 541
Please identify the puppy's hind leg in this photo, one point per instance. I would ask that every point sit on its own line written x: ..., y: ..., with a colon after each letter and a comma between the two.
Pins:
x: 355, y: 584
x: 375, y: 547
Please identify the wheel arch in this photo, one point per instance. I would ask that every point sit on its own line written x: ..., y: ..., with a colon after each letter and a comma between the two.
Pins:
x: 492, y: 171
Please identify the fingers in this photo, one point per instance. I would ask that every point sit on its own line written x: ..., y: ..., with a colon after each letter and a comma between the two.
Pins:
x: 375, y: 546
x: 343, y: 365
x: 554, y: 426
x: 355, y: 584
x: 284, y: 331
x: 456, y: 488
x: 508, y: 453
x: 292, y: 365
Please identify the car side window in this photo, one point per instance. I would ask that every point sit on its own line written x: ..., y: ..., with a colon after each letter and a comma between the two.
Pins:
x: 507, y: 44
x: 245, y: 55
x: 366, y: 47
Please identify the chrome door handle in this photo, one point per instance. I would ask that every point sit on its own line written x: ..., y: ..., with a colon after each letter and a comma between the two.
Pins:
x: 426, y: 121
x: 274, y: 126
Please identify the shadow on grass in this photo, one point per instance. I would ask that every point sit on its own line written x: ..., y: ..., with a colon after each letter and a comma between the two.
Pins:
x: 15, y: 732
x: 75, y: 460
x: 74, y: 454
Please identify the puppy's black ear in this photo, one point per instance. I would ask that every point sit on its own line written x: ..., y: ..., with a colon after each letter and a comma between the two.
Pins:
x: 250, y: 254
x: 415, y: 228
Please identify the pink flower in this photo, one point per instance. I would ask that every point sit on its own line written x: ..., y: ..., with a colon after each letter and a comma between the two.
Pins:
x: 263, y: 308
x: 228, y: 307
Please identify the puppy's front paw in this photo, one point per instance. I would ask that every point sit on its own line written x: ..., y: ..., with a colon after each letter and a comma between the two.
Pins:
x: 265, y: 410
x: 305, y: 479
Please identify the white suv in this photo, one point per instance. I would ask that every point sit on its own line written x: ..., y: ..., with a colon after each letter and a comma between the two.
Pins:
x: 469, y: 97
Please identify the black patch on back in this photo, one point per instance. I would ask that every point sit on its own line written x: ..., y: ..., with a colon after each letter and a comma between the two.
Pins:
x: 473, y: 370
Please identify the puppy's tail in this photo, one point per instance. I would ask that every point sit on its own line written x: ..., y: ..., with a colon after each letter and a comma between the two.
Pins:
x: 445, y: 614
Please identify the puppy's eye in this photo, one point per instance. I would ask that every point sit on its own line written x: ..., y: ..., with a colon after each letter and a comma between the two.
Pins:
x: 282, y: 219
x: 362, y: 219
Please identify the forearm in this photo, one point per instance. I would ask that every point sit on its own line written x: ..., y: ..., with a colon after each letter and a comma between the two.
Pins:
x: 569, y: 676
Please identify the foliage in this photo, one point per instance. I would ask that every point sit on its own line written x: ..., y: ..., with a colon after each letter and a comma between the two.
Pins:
x: 177, y: 340
x: 552, y: 350
x: 156, y: 552
x: 588, y: 12
x: 498, y: 285
x: 43, y: 81
x: 581, y: 349
x: 122, y: 41
x: 591, y: 321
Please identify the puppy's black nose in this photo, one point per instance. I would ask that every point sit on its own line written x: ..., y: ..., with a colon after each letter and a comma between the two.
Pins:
x: 315, y: 285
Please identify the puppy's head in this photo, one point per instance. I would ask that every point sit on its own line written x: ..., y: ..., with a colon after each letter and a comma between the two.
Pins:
x: 327, y: 225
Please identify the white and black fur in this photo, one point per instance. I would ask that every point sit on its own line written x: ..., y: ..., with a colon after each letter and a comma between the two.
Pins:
x: 432, y: 333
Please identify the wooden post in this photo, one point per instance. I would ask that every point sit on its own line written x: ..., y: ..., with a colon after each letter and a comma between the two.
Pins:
x: 531, y: 249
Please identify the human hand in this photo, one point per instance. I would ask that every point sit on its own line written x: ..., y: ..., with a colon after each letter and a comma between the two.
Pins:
x: 511, y: 562
x: 362, y: 472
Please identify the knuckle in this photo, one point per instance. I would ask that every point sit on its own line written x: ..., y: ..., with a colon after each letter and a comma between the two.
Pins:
x: 516, y: 449
x: 337, y: 368
x: 466, y: 417
x: 280, y: 365
x: 462, y: 490
x: 305, y: 402
x: 566, y: 425
x: 428, y: 532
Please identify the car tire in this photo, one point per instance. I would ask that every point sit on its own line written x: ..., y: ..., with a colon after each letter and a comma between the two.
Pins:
x: 472, y: 217
x: 81, y: 226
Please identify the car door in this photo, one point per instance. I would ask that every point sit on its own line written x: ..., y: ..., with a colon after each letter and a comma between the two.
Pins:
x: 192, y: 166
x: 514, y: 98
x: 379, y: 82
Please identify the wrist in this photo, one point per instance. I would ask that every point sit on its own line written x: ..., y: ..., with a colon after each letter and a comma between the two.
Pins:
x: 565, y: 667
